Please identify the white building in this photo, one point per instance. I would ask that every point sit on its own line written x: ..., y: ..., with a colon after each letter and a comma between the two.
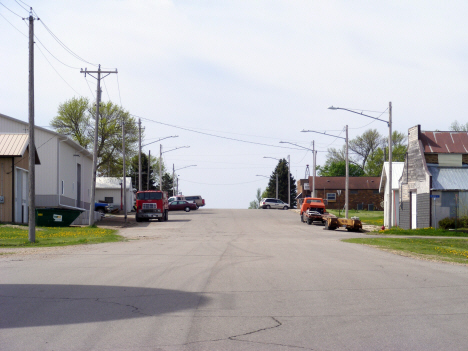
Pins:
x: 397, y: 171
x: 110, y: 190
x: 64, y: 177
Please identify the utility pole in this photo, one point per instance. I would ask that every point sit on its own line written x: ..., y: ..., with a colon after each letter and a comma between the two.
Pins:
x: 276, y: 184
x: 173, y: 171
x: 32, y: 146
x: 160, y: 169
x: 289, y: 181
x: 314, y: 153
x: 124, y: 172
x: 139, y: 154
x: 390, y: 190
x: 347, y: 176
x: 148, y: 180
x: 96, y: 127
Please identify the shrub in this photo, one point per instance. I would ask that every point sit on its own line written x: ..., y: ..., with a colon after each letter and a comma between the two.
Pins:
x: 447, y: 223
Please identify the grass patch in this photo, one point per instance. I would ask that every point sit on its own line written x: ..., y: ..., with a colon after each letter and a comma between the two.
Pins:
x: 45, y: 236
x: 423, y: 232
x: 366, y: 217
x: 447, y: 250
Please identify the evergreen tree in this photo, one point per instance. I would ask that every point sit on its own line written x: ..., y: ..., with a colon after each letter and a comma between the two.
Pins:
x: 283, y: 173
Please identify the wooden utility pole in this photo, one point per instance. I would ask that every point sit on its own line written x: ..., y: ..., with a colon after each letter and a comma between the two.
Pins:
x: 32, y: 146
x: 124, y: 172
x: 96, y: 127
x: 139, y: 155
x: 149, y: 162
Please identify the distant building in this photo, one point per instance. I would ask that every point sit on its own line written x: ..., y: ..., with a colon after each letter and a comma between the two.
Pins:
x: 110, y: 190
x: 363, y: 192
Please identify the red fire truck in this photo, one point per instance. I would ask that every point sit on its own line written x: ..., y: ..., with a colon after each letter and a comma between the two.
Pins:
x: 151, y: 204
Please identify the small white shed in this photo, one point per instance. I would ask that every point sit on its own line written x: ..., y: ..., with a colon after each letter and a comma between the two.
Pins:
x: 397, y: 170
x: 110, y: 190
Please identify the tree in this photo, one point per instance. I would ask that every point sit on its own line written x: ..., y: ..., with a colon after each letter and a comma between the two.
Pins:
x: 283, y: 173
x: 75, y: 118
x: 338, y: 169
x: 457, y: 127
x: 256, y: 203
x: 365, y: 145
x: 375, y: 161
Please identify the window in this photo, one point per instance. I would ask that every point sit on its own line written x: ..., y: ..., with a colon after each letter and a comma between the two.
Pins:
x: 331, y: 197
x: 353, y: 191
x: 376, y: 191
x: 63, y: 188
x: 109, y: 200
x: 311, y: 201
x: 150, y: 196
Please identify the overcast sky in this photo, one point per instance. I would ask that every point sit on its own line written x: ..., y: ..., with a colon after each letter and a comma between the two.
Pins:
x: 256, y: 71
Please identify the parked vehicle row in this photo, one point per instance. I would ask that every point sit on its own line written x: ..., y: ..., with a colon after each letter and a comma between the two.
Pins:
x: 155, y: 204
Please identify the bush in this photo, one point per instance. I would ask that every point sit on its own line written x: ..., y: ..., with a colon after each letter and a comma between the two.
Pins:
x: 452, y: 223
x: 447, y: 223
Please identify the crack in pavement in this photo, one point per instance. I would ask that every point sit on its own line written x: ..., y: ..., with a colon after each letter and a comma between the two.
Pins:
x: 278, y: 324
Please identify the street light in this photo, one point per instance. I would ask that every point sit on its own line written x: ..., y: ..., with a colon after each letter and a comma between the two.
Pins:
x: 173, y: 174
x: 347, y: 166
x: 160, y: 161
x: 289, y: 178
x: 389, y: 123
x: 139, y: 156
x: 314, y: 153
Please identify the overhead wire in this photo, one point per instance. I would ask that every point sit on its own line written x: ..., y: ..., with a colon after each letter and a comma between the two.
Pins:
x: 14, y: 26
x: 214, y: 135
x: 11, y: 10
x: 22, y: 6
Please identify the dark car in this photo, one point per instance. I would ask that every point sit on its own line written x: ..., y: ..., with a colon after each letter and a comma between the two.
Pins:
x: 182, y: 205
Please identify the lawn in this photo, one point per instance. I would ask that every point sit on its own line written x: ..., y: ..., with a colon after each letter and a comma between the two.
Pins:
x: 17, y: 236
x: 366, y: 217
x: 448, y: 250
x: 422, y: 232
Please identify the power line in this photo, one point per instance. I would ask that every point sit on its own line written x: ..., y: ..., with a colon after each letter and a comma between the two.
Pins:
x: 22, y: 6
x: 66, y: 47
x: 11, y: 11
x: 214, y: 135
x: 58, y: 73
x: 118, y: 86
x: 24, y: 35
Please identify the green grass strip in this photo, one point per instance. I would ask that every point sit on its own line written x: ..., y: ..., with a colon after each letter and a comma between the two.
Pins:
x: 423, y: 232
x: 448, y: 250
x: 18, y: 236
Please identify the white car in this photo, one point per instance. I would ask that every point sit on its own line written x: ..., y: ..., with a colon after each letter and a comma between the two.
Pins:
x: 273, y: 203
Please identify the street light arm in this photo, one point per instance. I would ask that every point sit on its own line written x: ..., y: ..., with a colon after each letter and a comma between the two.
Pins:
x: 180, y: 147
x: 313, y: 131
x: 303, y: 147
x: 172, y: 136
x: 358, y: 113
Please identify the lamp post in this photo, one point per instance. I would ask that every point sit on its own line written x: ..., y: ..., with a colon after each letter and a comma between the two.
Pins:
x: 160, y: 161
x: 389, y: 123
x: 314, y: 153
x: 173, y: 175
x: 347, y: 166
x: 139, y: 155
x: 278, y: 159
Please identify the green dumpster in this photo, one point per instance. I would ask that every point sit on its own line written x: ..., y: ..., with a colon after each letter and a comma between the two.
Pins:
x: 56, y: 217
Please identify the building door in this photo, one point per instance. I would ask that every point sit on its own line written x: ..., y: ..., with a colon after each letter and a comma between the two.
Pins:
x: 414, y: 216
x: 21, y: 196
x: 78, y: 185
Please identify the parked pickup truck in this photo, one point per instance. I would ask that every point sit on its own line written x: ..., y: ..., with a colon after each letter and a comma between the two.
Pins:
x: 101, y: 207
x: 314, y: 204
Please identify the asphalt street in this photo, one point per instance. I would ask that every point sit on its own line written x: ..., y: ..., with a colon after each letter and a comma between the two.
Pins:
x: 230, y: 280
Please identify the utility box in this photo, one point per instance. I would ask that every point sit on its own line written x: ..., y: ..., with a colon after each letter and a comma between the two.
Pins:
x: 56, y: 217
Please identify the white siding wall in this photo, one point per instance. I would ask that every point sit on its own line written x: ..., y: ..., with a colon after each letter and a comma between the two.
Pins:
x: 57, y: 164
x: 101, y: 194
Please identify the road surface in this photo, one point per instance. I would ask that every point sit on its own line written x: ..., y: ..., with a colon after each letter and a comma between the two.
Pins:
x: 230, y: 280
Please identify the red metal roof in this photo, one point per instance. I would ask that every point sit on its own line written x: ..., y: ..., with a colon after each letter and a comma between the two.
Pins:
x: 445, y: 142
x: 355, y: 183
